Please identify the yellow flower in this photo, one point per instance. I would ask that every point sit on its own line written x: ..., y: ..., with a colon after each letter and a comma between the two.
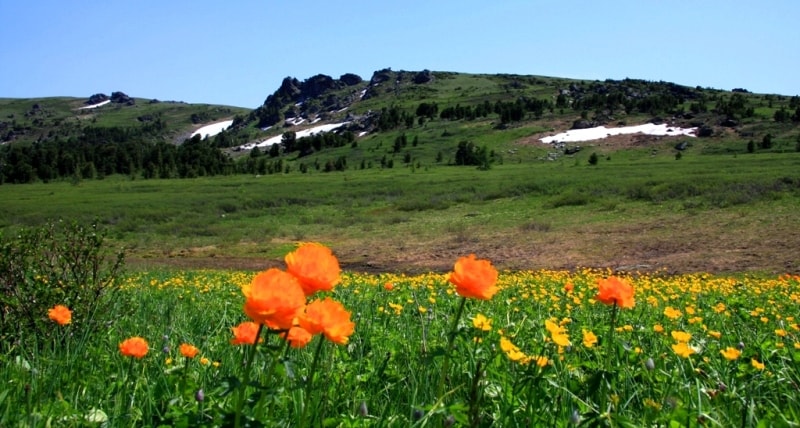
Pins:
x: 649, y: 402
x: 672, y: 313
x: 731, y: 353
x: 512, y: 351
x: 715, y: 334
x: 482, y: 323
x: 658, y: 328
x: 780, y: 332
x: 683, y: 349
x: 561, y: 339
x: 397, y: 308
x: 589, y: 339
x: 757, y: 365
x: 204, y: 361
x: 681, y: 336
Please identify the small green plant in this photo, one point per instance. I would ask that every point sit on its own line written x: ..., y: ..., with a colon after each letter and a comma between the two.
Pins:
x: 59, y: 263
x: 593, y: 159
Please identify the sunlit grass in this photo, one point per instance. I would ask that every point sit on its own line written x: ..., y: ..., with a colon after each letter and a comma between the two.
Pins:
x: 717, y: 350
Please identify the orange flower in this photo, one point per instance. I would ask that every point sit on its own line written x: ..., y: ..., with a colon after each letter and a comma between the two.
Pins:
x: 388, y: 286
x: 274, y: 298
x: 60, y: 314
x: 133, y: 347
x: 298, y: 337
x: 614, y: 290
x: 315, y: 266
x: 244, y: 333
x: 474, y: 278
x: 568, y: 287
x: 330, y: 318
x: 189, y: 351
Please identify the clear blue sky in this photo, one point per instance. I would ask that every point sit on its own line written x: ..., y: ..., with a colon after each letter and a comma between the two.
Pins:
x: 237, y: 52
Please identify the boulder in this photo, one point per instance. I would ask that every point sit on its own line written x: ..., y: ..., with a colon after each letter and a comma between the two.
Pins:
x: 122, y: 98
x: 423, y: 76
x: 96, y: 99
x: 350, y: 79
x: 729, y: 123
x: 583, y: 124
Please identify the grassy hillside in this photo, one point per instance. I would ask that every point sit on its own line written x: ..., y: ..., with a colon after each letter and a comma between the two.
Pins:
x: 394, y: 199
x: 28, y: 120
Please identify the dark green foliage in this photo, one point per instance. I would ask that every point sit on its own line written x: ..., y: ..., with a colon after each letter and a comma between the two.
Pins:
x: 468, y: 154
x: 58, y: 263
x: 593, y: 159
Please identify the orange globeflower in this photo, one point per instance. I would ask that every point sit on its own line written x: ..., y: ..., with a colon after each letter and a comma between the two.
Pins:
x: 134, y: 347
x: 60, y: 314
x: 614, y: 290
x: 244, y: 333
x: 274, y: 298
x: 474, y: 278
x: 298, y: 337
x: 315, y: 266
x: 188, y: 351
x: 330, y: 318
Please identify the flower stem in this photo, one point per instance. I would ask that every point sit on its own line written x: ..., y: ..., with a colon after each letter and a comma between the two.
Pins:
x: 451, y: 337
x: 310, y: 381
x: 246, y: 379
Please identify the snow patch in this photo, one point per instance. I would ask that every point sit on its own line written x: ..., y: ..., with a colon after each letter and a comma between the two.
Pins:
x: 299, y: 134
x: 212, y: 129
x: 600, y: 132
x: 100, y: 104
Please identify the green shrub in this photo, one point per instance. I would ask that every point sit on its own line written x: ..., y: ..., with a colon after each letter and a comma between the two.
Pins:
x: 58, y: 263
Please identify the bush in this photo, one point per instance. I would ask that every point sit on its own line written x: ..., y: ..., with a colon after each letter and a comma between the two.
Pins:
x: 58, y: 263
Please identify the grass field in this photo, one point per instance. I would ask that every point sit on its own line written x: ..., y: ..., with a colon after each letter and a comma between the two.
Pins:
x: 695, y: 350
x: 702, y: 213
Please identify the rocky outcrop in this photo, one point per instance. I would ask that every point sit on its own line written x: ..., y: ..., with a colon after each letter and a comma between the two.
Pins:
x: 423, y: 76
x: 96, y: 99
x: 122, y: 98
x: 350, y: 79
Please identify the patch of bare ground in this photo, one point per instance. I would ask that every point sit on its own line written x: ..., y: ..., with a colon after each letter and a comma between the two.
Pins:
x: 713, y: 242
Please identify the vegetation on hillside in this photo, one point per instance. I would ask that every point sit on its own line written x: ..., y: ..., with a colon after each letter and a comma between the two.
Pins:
x: 397, y: 118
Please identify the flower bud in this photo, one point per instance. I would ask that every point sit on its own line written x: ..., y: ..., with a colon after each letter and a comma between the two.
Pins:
x: 740, y: 345
x: 363, y: 410
x: 200, y: 395
x: 650, y: 364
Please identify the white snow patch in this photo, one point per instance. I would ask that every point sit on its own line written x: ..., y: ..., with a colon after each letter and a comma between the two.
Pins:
x: 299, y: 134
x: 294, y: 121
x: 266, y: 128
x: 600, y: 132
x: 101, y: 103
x: 341, y: 110
x: 362, y: 133
x: 213, y: 129
x: 362, y: 93
x: 315, y: 121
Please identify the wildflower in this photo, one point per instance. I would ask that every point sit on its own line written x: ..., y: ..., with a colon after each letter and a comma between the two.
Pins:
x: 133, y: 347
x: 681, y: 336
x: 474, y: 278
x: 715, y: 334
x: 244, y: 333
x: 396, y: 307
x: 568, y: 287
x: 589, y: 339
x: 780, y: 332
x: 298, y: 337
x: 60, y: 314
x: 650, y: 364
x: 730, y: 353
x: 188, y: 351
x: 512, y: 351
x: 482, y: 323
x: 757, y: 365
x: 658, y: 328
x: 615, y: 291
x: 315, y: 266
x: 672, y: 313
x: 168, y: 361
x: 388, y: 286
x: 541, y: 361
x: 649, y: 402
x: 330, y: 318
x: 200, y: 395
x: 683, y: 349
x: 204, y: 361
x: 274, y: 298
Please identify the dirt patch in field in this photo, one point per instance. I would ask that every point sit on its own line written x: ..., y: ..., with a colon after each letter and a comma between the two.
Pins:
x: 733, y: 243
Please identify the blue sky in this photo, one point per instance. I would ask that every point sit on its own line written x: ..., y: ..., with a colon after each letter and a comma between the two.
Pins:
x: 237, y: 52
